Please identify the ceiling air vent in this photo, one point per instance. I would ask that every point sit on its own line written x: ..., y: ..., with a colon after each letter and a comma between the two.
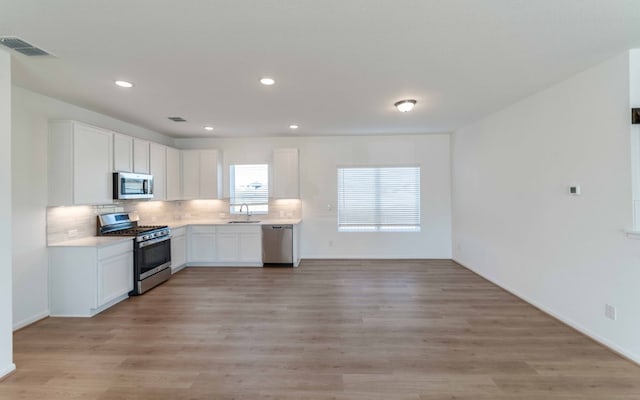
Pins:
x: 177, y: 119
x: 21, y: 46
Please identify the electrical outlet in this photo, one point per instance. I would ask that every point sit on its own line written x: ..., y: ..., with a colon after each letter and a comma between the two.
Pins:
x: 72, y: 233
x: 610, y: 312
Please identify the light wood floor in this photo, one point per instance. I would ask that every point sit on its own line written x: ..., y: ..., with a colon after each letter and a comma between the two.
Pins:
x: 363, y: 330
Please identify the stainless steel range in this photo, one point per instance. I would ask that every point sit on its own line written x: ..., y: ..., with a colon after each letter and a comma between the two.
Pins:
x: 151, y: 249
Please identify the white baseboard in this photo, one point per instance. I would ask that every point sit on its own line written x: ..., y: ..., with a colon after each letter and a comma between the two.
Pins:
x: 30, y: 320
x: 351, y: 257
x: 7, y: 370
x: 178, y: 269
x: 224, y: 265
x: 568, y: 321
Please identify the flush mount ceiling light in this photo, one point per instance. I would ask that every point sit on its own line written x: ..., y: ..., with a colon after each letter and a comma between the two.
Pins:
x: 124, y: 84
x: 208, y: 128
x: 405, y: 105
x: 293, y: 126
x: 267, y: 81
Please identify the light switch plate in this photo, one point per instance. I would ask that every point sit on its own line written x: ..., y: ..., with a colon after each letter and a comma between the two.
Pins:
x: 574, y: 190
x: 610, y: 312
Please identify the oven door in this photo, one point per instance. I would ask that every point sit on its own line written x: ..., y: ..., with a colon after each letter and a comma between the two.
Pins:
x: 152, y: 256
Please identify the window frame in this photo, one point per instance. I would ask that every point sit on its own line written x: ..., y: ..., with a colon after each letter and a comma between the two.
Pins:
x: 235, y: 206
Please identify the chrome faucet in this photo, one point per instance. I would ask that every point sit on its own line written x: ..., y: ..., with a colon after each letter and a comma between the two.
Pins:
x: 245, y: 205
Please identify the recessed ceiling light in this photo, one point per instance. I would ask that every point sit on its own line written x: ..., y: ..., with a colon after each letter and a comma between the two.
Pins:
x: 293, y: 126
x: 208, y: 128
x: 124, y: 84
x: 405, y: 105
x: 267, y: 81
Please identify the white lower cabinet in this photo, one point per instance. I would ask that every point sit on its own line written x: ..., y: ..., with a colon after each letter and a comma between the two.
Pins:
x: 201, y: 244
x: 178, y: 249
x: 115, y: 277
x: 250, y: 247
x: 224, y: 246
x: 86, y: 280
x: 227, y: 247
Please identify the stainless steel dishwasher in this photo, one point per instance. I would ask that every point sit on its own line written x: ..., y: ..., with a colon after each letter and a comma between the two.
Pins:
x: 277, y: 245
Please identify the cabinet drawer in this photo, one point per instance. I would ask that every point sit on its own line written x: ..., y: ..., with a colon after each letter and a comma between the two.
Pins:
x: 239, y: 228
x: 203, y: 228
x: 115, y: 249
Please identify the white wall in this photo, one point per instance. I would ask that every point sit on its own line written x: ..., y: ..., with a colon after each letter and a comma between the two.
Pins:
x: 515, y: 223
x: 319, y: 157
x: 31, y: 113
x: 6, y: 338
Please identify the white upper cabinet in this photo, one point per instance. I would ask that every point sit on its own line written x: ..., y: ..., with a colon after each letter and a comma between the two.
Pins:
x: 122, y: 153
x: 140, y: 156
x: 173, y: 174
x: 284, y: 174
x: 131, y: 155
x: 201, y: 174
x: 190, y: 174
x: 80, y: 164
x: 210, y: 175
x: 158, y: 168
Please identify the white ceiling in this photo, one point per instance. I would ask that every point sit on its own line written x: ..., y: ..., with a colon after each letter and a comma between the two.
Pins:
x: 339, y: 64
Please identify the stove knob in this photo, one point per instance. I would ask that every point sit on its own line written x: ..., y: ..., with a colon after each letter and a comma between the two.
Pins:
x: 145, y: 237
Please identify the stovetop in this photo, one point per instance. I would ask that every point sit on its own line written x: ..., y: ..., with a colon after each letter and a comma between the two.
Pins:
x: 121, y: 224
x: 134, y: 231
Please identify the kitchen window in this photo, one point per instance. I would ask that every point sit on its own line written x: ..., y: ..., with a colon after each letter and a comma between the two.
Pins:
x: 249, y: 184
x: 379, y: 199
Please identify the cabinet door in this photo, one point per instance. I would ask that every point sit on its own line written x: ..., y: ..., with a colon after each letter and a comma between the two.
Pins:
x: 210, y: 181
x: 158, y: 168
x: 115, y: 277
x: 140, y: 156
x: 227, y: 247
x: 92, y: 170
x: 173, y: 174
x: 250, y: 247
x: 122, y: 153
x: 285, y: 175
x: 190, y: 174
x: 178, y: 251
x: 202, y: 247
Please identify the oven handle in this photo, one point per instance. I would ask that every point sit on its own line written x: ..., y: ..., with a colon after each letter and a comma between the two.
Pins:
x: 153, y: 241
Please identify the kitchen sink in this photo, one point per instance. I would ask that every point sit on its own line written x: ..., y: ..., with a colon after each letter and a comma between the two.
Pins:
x: 243, y: 222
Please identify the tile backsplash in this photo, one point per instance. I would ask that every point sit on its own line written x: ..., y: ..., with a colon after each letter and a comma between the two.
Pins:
x: 67, y: 223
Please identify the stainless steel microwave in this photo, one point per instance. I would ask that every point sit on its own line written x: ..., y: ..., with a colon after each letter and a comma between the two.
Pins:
x: 132, y: 186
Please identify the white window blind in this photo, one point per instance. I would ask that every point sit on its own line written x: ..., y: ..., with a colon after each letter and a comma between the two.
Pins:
x: 249, y: 184
x: 379, y: 199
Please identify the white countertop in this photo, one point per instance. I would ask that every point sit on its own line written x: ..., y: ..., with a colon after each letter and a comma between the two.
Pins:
x: 93, y: 241
x: 265, y: 221
x: 100, y: 241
